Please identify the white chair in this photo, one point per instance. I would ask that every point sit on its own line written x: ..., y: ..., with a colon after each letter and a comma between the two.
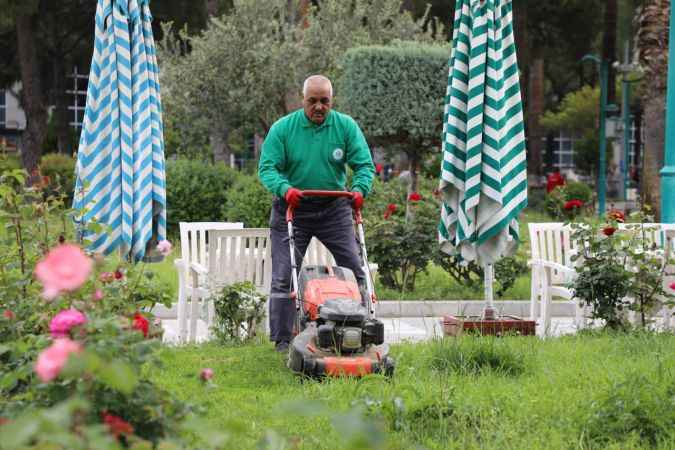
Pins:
x: 193, y: 248
x: 234, y: 256
x: 552, y: 249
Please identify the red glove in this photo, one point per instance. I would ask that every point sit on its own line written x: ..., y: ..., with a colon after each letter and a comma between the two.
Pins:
x: 357, y: 200
x: 293, y: 197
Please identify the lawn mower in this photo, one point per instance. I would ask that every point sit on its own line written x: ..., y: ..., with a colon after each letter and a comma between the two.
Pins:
x: 337, y: 332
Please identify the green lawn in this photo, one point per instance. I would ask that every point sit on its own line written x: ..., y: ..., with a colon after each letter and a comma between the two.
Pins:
x: 599, y: 391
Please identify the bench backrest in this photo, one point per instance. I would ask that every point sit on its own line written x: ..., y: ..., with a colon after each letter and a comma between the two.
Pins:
x: 240, y: 255
x: 194, y: 238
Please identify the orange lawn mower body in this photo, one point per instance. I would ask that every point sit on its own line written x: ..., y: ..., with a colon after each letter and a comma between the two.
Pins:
x: 338, y: 334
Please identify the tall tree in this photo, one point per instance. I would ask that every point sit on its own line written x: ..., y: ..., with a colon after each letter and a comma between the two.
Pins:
x: 652, y: 47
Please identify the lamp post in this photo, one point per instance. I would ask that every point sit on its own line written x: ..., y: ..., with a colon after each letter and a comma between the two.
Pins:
x: 626, y: 69
x: 668, y: 171
x: 602, y: 165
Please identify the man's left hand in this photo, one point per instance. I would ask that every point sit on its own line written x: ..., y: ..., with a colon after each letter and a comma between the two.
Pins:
x: 357, y: 199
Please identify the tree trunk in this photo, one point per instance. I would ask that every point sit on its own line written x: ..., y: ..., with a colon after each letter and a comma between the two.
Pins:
x: 655, y: 125
x: 536, y: 105
x: 609, y: 48
x: 221, y: 150
x: 31, y: 93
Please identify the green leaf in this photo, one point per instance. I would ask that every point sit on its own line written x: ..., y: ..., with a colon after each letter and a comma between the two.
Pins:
x: 119, y: 376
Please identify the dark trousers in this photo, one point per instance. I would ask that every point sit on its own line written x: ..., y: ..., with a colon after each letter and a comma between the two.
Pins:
x: 331, y: 223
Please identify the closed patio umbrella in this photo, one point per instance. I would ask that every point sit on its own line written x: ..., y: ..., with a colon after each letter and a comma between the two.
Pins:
x: 483, y: 174
x: 120, y: 164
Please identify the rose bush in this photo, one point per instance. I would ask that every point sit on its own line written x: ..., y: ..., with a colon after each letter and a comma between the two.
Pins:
x: 74, y: 338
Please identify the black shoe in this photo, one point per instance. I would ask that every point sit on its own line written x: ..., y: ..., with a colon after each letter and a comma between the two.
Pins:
x: 281, y: 347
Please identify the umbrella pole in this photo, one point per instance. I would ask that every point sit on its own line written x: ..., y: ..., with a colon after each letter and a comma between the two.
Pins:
x: 489, y: 312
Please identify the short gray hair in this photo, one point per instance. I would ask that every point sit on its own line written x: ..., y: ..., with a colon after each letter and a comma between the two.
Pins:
x: 316, y: 78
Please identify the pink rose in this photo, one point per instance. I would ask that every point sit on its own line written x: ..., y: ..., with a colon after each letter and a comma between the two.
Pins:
x: 8, y: 314
x: 672, y: 286
x: 65, y: 320
x: 51, y: 360
x: 206, y: 374
x: 97, y: 295
x: 164, y: 247
x: 65, y: 268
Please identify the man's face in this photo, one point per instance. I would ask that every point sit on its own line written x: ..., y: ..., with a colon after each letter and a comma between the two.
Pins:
x: 317, y: 101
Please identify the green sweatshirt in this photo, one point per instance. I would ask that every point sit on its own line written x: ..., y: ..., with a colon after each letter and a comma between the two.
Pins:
x: 301, y: 154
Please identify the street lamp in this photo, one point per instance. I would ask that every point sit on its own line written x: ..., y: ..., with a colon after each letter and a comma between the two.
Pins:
x: 602, y: 166
x: 668, y: 172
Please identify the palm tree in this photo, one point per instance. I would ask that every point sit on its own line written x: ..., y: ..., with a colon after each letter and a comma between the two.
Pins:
x: 652, y: 48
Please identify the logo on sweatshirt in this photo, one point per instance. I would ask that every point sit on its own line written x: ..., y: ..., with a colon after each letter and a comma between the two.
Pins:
x: 338, y: 153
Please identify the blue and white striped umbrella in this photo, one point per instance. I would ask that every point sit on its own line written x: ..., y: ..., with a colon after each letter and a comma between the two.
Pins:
x: 120, y: 166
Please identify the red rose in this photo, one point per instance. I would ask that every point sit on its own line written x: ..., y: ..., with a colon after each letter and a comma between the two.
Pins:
x: 571, y: 204
x: 608, y: 231
x: 118, y: 274
x: 391, y: 208
x: 553, y: 181
x: 141, y: 324
x: 116, y: 425
x: 414, y: 197
x: 616, y: 215
x: 8, y: 314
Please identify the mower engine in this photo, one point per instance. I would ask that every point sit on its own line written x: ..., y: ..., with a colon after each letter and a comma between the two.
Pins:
x: 344, y: 327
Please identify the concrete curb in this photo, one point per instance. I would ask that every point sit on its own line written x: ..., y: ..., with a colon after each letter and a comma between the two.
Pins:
x: 433, y: 308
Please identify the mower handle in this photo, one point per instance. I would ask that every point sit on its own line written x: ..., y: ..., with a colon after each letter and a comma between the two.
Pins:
x: 290, y: 211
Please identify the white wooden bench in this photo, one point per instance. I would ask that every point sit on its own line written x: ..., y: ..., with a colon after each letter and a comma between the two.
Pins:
x: 193, y: 249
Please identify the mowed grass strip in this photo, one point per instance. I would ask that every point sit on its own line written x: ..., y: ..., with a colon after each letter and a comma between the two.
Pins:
x: 588, y: 391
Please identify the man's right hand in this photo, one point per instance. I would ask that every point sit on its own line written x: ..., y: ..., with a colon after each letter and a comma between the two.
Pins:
x: 293, y: 197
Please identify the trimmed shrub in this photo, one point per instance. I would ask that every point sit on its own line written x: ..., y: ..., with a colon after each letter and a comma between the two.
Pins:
x: 196, y: 191
x: 557, y: 202
x: 404, y: 82
x: 60, y: 169
x: 249, y: 202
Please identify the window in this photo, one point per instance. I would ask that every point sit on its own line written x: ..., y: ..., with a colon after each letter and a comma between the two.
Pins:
x: 3, y: 109
x: 79, y: 98
x: 563, y: 151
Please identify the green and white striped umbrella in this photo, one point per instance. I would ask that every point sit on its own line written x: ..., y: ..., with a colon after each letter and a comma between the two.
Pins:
x: 483, y: 175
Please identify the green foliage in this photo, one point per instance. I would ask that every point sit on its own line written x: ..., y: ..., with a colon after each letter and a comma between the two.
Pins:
x: 404, y: 82
x: 249, y: 202
x: 117, y: 342
x: 556, y: 202
x: 240, y: 309
x: 619, y: 270
x: 253, y: 80
x: 579, y: 114
x: 9, y: 162
x: 402, y: 247
x: 196, y: 191
x: 61, y: 172
x: 475, y: 355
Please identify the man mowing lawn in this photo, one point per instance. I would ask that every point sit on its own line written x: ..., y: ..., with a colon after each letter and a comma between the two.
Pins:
x: 309, y: 149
